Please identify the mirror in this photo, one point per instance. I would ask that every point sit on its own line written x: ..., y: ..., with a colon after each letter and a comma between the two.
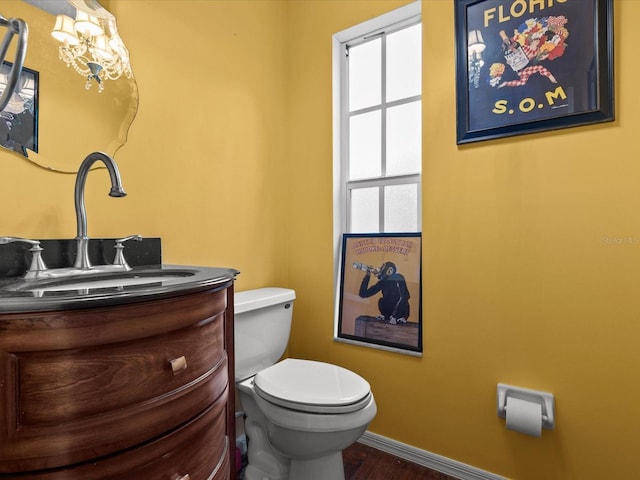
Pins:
x: 73, y: 121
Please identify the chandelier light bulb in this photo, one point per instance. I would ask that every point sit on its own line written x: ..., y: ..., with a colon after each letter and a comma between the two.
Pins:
x: 64, y: 31
x: 91, y: 45
x: 87, y: 25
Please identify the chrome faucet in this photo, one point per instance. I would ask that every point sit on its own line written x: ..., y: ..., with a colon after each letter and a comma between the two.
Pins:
x: 82, y: 255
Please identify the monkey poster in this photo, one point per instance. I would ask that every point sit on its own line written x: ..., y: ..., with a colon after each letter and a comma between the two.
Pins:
x: 380, y: 290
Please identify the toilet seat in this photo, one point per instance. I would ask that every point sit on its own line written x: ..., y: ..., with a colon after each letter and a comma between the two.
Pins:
x: 313, y: 387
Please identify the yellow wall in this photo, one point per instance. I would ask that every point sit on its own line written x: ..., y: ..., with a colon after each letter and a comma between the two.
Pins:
x: 531, y: 244
x: 523, y: 280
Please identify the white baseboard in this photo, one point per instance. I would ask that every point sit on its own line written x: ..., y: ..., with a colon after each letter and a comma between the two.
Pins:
x: 427, y: 459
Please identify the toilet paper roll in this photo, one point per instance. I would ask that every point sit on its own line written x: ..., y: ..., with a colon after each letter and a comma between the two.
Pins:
x: 524, y: 417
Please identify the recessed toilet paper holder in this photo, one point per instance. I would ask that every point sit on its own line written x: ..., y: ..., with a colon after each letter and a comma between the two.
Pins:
x: 545, y: 399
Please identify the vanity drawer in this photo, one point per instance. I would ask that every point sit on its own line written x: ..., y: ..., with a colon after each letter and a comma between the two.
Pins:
x: 196, y: 449
x: 64, y: 386
x: 65, y: 405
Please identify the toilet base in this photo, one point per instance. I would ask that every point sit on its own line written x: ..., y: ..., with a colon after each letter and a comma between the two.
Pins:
x: 324, y: 468
x: 281, y: 448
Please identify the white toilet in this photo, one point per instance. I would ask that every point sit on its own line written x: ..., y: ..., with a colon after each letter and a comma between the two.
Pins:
x: 300, y: 414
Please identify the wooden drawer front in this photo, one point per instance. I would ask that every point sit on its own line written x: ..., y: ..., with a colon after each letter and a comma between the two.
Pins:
x: 198, y: 449
x: 59, y: 387
x: 30, y: 449
x: 61, y: 330
x: 71, y: 406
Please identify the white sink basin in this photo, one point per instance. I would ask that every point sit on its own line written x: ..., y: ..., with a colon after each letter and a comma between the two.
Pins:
x: 89, y: 283
x: 110, y: 280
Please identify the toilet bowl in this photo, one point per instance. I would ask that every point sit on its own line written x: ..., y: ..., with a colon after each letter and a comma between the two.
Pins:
x: 300, y: 414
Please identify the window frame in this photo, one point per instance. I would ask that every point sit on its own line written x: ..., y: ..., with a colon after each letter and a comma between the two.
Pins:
x: 384, y: 106
x: 397, y: 19
x: 394, y: 20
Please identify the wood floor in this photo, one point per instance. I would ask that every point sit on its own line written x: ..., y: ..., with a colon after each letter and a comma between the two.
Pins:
x: 365, y: 463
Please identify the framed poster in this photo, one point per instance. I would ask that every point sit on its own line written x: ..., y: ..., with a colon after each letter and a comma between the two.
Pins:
x: 381, y: 290
x: 19, y: 119
x: 525, y: 66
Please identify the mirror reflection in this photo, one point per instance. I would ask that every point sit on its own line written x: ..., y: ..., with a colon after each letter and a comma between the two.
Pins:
x: 78, y: 113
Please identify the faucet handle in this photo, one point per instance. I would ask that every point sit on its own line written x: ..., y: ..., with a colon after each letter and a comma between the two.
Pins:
x: 37, y: 264
x: 119, y: 258
x: 137, y: 238
x: 5, y: 240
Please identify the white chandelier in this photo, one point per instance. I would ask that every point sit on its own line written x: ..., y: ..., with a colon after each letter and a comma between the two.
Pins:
x: 91, y: 44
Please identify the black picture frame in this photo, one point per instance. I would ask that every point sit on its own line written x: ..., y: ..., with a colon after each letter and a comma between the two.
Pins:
x: 19, y: 127
x: 567, y: 82
x: 380, y: 295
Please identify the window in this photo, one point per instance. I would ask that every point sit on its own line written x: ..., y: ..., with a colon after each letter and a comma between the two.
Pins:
x: 378, y: 128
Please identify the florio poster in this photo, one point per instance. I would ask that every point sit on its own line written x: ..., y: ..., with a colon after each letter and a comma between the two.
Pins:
x: 529, y: 60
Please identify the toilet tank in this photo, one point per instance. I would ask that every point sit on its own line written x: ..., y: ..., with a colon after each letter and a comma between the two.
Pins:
x: 262, y: 325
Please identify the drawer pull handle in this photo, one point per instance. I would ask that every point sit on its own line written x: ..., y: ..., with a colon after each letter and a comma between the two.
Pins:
x: 185, y: 477
x: 177, y: 365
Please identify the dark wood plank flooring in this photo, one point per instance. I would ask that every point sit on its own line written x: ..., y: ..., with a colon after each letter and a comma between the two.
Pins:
x: 362, y: 462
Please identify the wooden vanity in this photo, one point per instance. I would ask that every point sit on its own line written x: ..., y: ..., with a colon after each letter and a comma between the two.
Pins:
x: 138, y: 389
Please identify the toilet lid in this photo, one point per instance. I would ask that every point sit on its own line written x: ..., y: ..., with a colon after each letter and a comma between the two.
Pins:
x: 311, y: 386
